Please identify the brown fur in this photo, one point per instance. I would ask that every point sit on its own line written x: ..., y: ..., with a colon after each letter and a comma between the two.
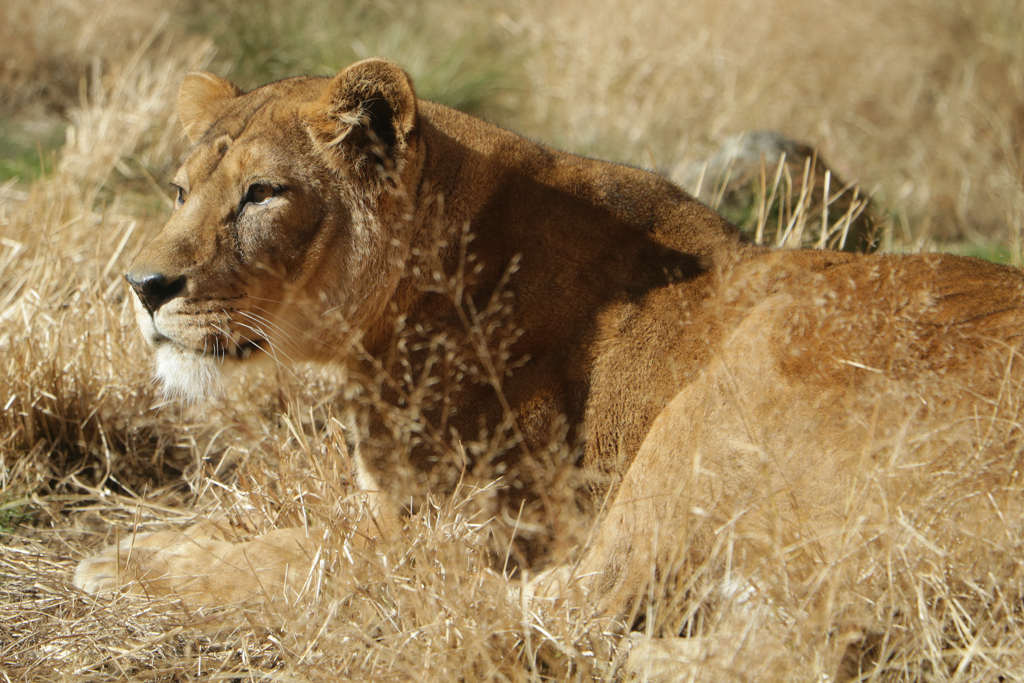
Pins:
x: 505, y: 309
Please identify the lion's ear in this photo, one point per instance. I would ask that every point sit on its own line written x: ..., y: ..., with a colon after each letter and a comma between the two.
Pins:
x: 198, y: 96
x: 368, y: 112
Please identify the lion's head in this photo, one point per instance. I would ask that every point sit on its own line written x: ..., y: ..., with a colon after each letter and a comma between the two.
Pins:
x: 282, y: 241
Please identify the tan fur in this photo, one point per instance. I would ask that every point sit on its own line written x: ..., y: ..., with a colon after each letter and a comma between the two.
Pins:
x: 825, y: 363
x: 505, y: 309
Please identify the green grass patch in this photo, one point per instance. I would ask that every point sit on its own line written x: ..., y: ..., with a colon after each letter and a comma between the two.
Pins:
x: 996, y: 253
x: 13, y: 512
x: 28, y: 150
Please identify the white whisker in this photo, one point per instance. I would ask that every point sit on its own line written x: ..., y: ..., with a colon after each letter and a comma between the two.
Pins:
x: 272, y: 352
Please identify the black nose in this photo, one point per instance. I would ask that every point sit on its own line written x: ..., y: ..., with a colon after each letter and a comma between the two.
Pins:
x: 155, y: 289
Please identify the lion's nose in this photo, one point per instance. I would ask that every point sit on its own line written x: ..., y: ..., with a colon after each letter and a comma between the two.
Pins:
x: 155, y: 289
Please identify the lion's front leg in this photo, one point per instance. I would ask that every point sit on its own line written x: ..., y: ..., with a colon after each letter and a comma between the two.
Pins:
x: 202, y: 567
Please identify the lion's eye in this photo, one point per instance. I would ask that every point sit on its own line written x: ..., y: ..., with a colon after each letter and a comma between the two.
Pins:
x: 180, y: 199
x: 259, y: 193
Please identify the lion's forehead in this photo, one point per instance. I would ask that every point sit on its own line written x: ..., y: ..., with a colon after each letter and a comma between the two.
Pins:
x: 275, y: 150
x: 268, y: 109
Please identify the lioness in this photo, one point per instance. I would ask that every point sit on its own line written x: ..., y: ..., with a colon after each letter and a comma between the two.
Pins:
x: 503, y: 309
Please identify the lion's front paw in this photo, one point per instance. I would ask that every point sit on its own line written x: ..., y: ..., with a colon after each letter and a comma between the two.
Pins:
x: 102, y: 573
x: 201, y: 566
x: 551, y: 588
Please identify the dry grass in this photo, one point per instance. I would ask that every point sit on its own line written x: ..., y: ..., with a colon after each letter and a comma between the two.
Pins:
x: 921, y: 99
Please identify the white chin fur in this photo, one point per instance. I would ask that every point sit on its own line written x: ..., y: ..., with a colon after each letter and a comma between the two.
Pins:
x: 188, y: 377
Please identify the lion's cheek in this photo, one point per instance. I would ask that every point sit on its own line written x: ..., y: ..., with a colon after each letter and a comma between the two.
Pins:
x: 279, y: 242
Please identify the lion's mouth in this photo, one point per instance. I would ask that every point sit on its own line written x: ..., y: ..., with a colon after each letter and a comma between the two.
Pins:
x: 237, y: 347
x: 216, y: 346
x: 195, y: 371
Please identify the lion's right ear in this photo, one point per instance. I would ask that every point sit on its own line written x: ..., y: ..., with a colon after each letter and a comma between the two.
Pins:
x: 198, y: 97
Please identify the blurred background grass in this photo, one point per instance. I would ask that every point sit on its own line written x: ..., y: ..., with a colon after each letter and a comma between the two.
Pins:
x: 919, y: 101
